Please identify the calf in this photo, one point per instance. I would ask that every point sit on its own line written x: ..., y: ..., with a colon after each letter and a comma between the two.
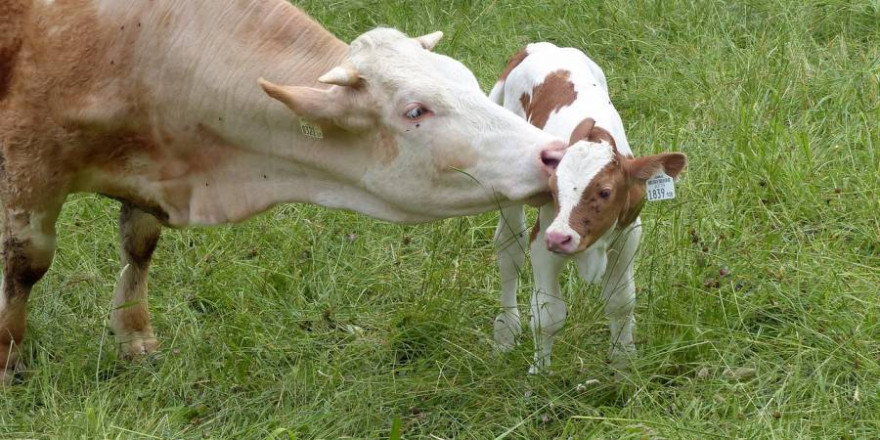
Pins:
x: 598, y: 190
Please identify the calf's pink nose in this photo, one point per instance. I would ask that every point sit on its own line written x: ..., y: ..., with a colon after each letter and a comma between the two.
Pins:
x: 559, y: 241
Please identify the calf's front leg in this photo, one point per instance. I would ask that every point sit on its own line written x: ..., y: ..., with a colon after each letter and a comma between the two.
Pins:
x: 510, y: 245
x: 548, y: 306
x: 619, y: 293
x: 130, y: 316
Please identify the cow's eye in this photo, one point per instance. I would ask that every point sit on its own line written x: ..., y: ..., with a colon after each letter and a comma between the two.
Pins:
x: 415, y: 112
x: 605, y: 193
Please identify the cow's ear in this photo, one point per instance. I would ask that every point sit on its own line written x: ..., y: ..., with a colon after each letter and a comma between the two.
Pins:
x: 643, y: 168
x: 345, y: 107
x: 308, y: 102
x: 430, y: 40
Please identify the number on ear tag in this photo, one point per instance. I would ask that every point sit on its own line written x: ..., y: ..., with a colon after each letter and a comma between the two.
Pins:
x: 310, y: 129
x: 660, y: 187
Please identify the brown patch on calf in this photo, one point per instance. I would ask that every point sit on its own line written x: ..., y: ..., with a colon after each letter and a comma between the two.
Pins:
x: 594, y: 215
x: 635, y: 200
x: 556, y: 92
x: 625, y: 178
x: 515, y: 61
x: 535, y: 230
x: 588, y: 130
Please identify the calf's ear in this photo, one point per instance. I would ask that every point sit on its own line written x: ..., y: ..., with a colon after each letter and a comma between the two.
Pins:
x: 643, y: 168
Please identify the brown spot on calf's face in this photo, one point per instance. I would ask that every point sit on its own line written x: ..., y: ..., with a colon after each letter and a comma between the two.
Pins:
x: 600, y: 205
x: 616, y: 194
x: 514, y: 61
x: 551, y: 95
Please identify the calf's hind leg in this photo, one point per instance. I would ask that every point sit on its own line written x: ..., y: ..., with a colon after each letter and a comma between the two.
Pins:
x: 28, y: 249
x: 130, y: 317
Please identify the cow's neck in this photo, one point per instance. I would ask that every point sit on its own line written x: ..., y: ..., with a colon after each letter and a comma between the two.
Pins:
x: 244, y: 151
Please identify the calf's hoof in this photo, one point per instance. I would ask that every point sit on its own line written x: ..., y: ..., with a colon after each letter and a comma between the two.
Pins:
x: 540, y: 366
x: 507, y: 329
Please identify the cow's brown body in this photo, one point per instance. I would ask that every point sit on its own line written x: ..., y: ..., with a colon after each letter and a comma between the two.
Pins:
x: 156, y: 103
x: 88, y: 104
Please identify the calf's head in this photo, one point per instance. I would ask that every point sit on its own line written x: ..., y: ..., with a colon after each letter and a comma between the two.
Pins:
x: 450, y: 150
x: 596, y: 190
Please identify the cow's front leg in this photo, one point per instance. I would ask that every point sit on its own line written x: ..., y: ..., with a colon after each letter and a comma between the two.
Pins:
x: 28, y: 249
x: 130, y: 316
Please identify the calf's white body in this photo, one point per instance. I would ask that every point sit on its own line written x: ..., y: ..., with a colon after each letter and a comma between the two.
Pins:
x: 579, y: 91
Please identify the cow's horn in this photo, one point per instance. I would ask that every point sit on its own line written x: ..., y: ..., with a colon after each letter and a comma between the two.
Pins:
x: 430, y: 40
x: 344, y: 75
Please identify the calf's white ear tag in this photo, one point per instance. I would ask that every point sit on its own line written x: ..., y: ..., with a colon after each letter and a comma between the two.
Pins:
x: 310, y: 129
x: 660, y: 187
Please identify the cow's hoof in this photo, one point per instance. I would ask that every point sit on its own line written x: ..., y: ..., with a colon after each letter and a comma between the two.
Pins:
x: 138, y: 347
x: 10, y: 365
x: 11, y: 375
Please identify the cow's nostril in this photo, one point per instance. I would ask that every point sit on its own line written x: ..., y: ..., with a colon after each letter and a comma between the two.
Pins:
x: 552, y: 155
x: 550, y: 159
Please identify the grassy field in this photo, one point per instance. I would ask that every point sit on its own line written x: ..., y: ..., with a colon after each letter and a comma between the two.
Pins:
x: 777, y: 105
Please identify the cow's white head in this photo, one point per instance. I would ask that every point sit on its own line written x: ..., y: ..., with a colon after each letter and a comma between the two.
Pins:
x: 597, y: 190
x: 446, y: 148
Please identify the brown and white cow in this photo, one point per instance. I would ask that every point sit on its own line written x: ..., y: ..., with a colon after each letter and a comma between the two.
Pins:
x: 157, y: 104
x: 598, y: 189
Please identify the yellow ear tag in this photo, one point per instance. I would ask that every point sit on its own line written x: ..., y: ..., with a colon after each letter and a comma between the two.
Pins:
x: 310, y: 129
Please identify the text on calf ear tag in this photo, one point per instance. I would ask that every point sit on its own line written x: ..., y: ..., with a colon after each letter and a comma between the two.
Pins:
x: 310, y: 129
x: 660, y: 187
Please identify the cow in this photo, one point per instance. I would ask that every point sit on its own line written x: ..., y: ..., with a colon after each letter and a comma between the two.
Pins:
x: 598, y: 191
x: 161, y: 105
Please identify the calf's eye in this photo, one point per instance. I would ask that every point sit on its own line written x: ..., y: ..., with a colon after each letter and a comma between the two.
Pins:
x: 605, y: 193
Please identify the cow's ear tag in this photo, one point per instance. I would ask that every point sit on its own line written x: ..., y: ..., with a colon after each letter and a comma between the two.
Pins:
x: 310, y: 129
x: 660, y: 187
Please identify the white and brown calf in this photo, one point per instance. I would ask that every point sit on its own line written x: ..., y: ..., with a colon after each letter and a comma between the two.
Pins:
x: 598, y: 189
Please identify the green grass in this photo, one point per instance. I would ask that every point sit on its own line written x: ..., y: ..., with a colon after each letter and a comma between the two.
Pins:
x: 777, y: 105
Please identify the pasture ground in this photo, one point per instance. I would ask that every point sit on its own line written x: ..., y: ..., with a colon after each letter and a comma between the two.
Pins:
x: 776, y: 103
